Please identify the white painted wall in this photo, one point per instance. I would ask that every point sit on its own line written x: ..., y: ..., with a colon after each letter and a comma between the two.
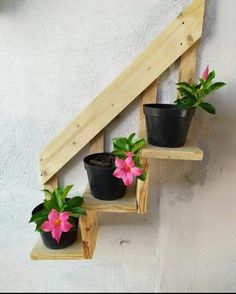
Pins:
x: 55, y: 56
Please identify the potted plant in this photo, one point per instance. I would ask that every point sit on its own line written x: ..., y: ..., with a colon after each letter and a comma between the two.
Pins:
x: 168, y: 124
x: 57, y: 218
x: 109, y: 173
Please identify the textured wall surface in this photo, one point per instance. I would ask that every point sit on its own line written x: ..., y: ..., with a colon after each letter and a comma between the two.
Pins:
x: 55, y: 56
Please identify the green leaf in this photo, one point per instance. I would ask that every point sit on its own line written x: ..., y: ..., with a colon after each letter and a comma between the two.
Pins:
x: 189, y: 102
x: 208, y: 107
x: 143, y: 176
x: 77, y: 210
x: 198, y: 86
x: 120, y: 154
x: 49, y: 204
x: 131, y: 137
x: 215, y: 86
x: 187, y: 90
x: 38, y: 226
x: 121, y: 144
x: 77, y: 215
x: 209, y: 79
x: 73, y: 202
x: 138, y: 145
x: 54, y: 198
x: 66, y: 191
x: 186, y: 102
x: 59, y: 199
x: 185, y: 84
x: 47, y: 192
x: 39, y: 216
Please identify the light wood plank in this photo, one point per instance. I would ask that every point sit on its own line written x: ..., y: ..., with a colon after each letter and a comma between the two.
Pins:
x: 51, y: 185
x: 178, y: 37
x: 187, y: 152
x: 97, y: 143
x: 142, y: 189
x: 188, y: 64
x: 89, y: 230
x: 74, y: 251
x: 126, y: 204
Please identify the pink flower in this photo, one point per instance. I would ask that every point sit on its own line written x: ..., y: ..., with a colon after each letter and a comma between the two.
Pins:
x: 205, y: 73
x: 57, y: 223
x: 126, y: 169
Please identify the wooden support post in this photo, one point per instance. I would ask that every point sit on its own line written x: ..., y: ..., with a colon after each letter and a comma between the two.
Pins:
x: 188, y: 64
x: 89, y: 229
x: 142, y: 190
x: 148, y: 96
x: 51, y: 184
x: 97, y: 143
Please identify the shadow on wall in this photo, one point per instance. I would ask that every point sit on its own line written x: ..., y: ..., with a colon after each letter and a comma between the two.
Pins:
x: 10, y: 6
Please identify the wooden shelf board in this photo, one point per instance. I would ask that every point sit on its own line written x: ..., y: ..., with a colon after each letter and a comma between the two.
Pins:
x: 74, y: 251
x: 187, y: 152
x: 126, y: 204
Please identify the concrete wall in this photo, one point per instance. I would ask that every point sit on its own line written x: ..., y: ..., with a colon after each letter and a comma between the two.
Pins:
x: 55, y: 56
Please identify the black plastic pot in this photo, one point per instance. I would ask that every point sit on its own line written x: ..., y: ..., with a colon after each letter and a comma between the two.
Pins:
x: 103, y: 185
x: 66, y: 238
x: 167, y: 126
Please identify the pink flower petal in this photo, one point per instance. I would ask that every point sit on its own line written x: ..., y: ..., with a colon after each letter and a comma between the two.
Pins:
x: 66, y: 226
x: 56, y: 233
x: 129, y: 161
x: 128, y: 179
x: 64, y: 216
x: 47, y: 226
x: 119, y: 162
x: 119, y: 173
x: 205, y: 73
x: 136, y: 171
x: 53, y: 215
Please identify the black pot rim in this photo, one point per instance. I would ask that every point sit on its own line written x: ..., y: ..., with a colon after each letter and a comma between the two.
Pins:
x: 165, y: 106
x: 88, y: 157
x: 167, y: 110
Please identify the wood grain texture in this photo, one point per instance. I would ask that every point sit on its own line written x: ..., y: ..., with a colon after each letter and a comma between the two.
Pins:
x: 187, y: 152
x: 188, y: 64
x: 97, y: 143
x: 51, y: 185
x: 126, y: 204
x: 142, y: 189
x: 74, y: 251
x: 89, y: 230
x: 176, y: 39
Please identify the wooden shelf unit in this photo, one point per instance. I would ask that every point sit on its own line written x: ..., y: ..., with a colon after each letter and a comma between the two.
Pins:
x: 138, y: 81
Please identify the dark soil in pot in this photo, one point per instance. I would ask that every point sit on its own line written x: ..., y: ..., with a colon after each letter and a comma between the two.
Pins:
x: 103, y: 185
x: 66, y: 238
x: 167, y: 126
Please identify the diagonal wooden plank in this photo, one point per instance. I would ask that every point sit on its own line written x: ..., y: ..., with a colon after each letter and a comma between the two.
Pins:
x: 176, y: 39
